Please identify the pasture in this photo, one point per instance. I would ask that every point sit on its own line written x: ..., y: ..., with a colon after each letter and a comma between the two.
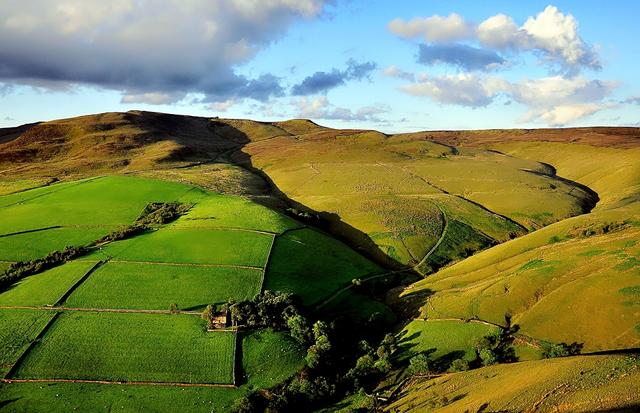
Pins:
x: 444, y: 340
x: 216, y: 211
x: 131, y: 347
x: 157, y: 286
x: 193, y: 246
x: 17, y: 329
x: 312, y: 265
x: 32, y: 245
x: 269, y: 357
x: 46, y: 288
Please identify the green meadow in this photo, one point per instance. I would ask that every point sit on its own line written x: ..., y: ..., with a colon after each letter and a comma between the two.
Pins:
x: 131, y: 347
x: 157, y: 286
x: 18, y: 328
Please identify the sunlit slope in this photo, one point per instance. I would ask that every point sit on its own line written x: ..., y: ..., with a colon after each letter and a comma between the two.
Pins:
x: 573, y: 384
x: 576, y: 280
x: 418, y: 201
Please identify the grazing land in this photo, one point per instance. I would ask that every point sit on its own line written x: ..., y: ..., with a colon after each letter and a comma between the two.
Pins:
x: 131, y: 347
x: 17, y: 329
x: 157, y: 286
x: 47, y: 288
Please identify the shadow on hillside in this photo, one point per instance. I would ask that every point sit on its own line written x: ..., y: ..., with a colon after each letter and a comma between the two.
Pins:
x: 328, y: 222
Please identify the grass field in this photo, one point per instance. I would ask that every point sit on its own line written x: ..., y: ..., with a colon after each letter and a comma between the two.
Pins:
x: 269, y: 357
x: 45, y: 288
x: 442, y: 339
x: 24, y: 247
x: 156, y: 287
x: 110, y: 201
x: 98, y: 398
x: 193, y: 246
x: 572, y: 384
x: 217, y: 211
x: 313, y: 265
x: 17, y: 329
x: 131, y: 347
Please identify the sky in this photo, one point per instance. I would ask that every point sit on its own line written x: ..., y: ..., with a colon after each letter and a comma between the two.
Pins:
x: 395, y: 66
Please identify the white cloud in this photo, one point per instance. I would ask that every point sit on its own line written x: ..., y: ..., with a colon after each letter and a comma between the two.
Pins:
x: 433, y: 29
x: 321, y: 108
x: 500, y: 32
x: 552, y: 100
x: 152, y: 98
x: 462, y: 89
x: 394, y: 71
x: 222, y: 106
x: 556, y: 35
x: 564, y: 114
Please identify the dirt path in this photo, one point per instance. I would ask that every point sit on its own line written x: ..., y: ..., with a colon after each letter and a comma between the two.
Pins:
x: 437, y: 244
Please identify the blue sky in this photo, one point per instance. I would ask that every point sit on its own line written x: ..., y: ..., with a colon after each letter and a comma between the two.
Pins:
x: 393, y: 66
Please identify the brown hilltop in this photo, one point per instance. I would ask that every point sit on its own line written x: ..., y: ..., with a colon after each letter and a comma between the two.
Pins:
x: 137, y: 141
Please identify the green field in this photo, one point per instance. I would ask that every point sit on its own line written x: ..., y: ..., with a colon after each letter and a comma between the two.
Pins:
x: 17, y: 329
x: 313, y: 265
x: 111, y: 201
x: 157, y: 286
x: 443, y: 338
x: 217, y: 211
x: 193, y: 246
x: 45, y: 288
x: 131, y: 347
x: 24, y: 247
x: 269, y: 357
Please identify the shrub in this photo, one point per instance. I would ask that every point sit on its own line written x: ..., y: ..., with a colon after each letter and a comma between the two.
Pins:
x: 562, y: 350
x: 459, y: 365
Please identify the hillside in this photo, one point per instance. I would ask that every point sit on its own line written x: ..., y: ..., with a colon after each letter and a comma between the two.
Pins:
x: 530, y: 234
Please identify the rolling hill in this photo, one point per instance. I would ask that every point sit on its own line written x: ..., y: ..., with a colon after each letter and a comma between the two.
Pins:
x: 465, y: 233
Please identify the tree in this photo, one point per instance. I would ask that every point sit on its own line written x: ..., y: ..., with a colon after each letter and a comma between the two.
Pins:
x: 420, y: 364
x: 299, y: 329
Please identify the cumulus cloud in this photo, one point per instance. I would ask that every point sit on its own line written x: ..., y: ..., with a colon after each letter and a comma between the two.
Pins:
x: 321, y: 82
x: 551, y: 35
x: 459, y: 55
x: 394, y: 71
x: 320, y: 108
x: 462, y: 89
x: 125, y: 44
x: 433, y: 29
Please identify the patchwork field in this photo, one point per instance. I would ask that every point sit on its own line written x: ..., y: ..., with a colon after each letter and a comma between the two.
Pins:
x: 113, y: 323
